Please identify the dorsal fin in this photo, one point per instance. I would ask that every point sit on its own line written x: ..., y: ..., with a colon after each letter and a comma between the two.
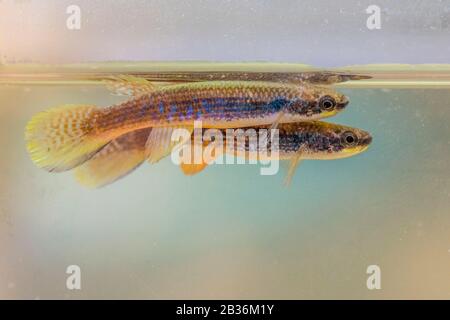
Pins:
x: 127, y: 85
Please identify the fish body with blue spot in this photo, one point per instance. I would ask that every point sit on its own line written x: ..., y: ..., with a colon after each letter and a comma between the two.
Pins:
x: 308, y: 140
x: 311, y: 140
x: 222, y: 104
x: 64, y: 137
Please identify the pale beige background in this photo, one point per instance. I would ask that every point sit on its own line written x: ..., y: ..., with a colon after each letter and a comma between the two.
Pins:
x: 317, y: 32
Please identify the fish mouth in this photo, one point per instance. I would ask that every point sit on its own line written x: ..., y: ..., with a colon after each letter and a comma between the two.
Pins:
x: 366, y: 140
x: 341, y: 105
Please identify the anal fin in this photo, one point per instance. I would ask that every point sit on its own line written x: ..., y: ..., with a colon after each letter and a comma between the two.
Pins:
x: 193, y: 167
x: 116, y: 160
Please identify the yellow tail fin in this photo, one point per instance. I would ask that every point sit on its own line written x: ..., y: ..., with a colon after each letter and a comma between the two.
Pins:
x: 61, y: 138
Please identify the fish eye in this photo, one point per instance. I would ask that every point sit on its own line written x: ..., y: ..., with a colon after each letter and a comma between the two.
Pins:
x: 327, y: 103
x: 349, y: 139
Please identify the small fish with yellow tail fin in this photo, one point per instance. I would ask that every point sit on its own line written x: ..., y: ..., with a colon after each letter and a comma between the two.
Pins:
x: 311, y: 140
x: 64, y: 137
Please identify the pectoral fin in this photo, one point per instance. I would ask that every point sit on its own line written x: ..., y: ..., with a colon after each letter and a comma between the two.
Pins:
x: 126, y: 85
x: 277, y: 121
x: 159, y: 143
x: 293, y: 164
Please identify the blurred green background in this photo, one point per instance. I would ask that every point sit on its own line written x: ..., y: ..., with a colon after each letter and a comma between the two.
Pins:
x: 230, y: 232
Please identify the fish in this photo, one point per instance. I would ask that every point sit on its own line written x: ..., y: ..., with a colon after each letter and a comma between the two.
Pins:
x: 312, y: 77
x: 309, y: 140
x: 313, y: 140
x: 64, y: 137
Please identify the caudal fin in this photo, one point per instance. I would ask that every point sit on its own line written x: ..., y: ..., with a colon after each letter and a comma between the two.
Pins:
x: 61, y: 138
